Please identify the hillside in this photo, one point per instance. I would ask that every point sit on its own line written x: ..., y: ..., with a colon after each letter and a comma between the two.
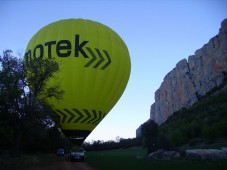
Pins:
x: 204, y: 121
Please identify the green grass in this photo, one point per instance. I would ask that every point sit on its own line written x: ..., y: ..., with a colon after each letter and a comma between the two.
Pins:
x: 131, y: 159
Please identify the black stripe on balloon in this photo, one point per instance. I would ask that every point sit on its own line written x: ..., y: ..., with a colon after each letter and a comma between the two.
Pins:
x: 101, y: 58
x: 102, y: 116
x: 92, y: 59
x: 108, y: 58
x: 70, y: 115
x: 95, y: 116
x: 87, y: 115
x: 63, y: 115
x: 82, y: 116
x: 79, y: 114
x: 99, y: 119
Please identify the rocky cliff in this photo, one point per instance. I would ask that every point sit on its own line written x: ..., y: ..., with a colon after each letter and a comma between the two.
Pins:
x: 193, y: 78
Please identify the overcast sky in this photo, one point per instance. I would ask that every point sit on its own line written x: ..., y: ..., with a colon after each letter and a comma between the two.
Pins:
x: 158, y: 34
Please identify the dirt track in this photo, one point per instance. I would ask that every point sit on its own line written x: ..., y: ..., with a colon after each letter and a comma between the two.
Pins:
x: 62, y: 164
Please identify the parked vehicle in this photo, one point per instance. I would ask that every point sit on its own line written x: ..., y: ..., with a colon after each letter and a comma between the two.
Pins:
x: 60, y: 152
x: 76, y: 154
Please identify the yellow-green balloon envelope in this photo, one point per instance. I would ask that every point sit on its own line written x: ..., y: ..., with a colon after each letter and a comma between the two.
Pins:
x: 94, y: 71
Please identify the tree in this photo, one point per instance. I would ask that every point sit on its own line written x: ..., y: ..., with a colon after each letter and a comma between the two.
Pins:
x: 210, y: 133
x: 176, y: 137
x: 150, y: 132
x: 21, y: 113
x: 38, y: 72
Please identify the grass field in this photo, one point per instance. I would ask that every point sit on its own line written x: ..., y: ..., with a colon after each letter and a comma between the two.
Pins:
x: 131, y: 159
x: 119, y: 159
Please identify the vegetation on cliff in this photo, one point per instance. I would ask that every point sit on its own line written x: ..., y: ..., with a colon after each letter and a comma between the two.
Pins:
x: 205, y: 121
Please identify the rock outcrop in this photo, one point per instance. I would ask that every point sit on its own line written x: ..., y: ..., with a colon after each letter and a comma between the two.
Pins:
x: 163, y: 155
x: 207, y: 154
x: 193, y: 78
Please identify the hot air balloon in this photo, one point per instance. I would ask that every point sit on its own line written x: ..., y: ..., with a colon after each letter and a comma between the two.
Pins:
x: 94, y: 71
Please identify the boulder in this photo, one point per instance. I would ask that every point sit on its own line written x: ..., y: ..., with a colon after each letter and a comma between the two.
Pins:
x: 207, y: 154
x: 163, y: 155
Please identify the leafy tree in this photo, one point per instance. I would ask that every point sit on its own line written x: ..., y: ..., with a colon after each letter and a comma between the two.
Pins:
x: 21, y: 114
x: 164, y: 142
x: 150, y: 132
x: 38, y: 72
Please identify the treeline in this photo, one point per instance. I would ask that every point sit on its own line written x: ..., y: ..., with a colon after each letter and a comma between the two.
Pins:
x: 111, y: 144
x: 26, y: 123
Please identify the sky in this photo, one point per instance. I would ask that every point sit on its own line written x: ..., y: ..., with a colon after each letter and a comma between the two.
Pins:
x: 158, y: 34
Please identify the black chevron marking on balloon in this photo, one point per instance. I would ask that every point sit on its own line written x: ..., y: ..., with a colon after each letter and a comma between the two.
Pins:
x: 99, y: 119
x: 88, y: 116
x: 102, y: 116
x: 92, y: 59
x: 79, y: 114
x: 71, y: 115
x: 109, y: 60
x: 95, y: 116
x: 101, y: 58
x: 98, y: 116
x: 63, y: 115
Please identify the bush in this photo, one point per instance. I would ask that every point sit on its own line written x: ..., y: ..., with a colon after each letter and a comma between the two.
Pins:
x: 176, y: 137
x: 209, y: 133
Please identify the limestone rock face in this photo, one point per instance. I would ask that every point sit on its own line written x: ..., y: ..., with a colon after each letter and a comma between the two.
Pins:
x: 192, y: 78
